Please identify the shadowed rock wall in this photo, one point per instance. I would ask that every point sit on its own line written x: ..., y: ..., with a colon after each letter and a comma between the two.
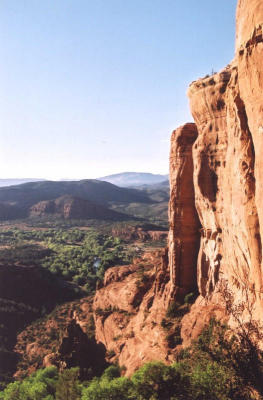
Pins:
x: 184, y: 235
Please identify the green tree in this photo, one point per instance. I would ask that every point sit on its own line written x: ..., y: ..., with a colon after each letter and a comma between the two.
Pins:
x: 12, y: 392
x: 104, y: 389
x: 38, y: 386
x: 158, y: 381
x: 68, y: 387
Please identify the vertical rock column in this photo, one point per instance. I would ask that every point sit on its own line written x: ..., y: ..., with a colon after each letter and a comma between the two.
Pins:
x: 184, y: 236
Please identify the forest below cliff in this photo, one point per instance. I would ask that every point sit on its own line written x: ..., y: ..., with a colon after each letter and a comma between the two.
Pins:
x: 50, y: 264
x: 212, y: 368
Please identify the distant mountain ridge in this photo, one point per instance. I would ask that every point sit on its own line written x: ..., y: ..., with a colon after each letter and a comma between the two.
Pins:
x: 127, y: 179
x: 91, y: 196
x: 122, y: 179
x: 18, y: 181
x: 93, y: 190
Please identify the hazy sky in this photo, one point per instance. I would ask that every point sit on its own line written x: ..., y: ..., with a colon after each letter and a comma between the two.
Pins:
x: 94, y: 87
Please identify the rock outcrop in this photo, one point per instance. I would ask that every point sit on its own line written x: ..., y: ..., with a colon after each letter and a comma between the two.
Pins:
x: 139, y: 233
x: 70, y: 207
x: 129, y: 309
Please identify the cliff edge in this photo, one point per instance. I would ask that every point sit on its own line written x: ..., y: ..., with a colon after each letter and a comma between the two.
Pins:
x: 228, y: 180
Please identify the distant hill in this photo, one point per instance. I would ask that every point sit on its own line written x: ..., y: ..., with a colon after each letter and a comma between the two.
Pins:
x: 93, y: 190
x: 85, y: 199
x: 127, y: 179
x: 18, y: 181
x: 162, y: 186
x: 21, y: 201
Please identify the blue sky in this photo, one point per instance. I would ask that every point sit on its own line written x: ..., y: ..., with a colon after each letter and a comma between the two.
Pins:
x: 94, y: 87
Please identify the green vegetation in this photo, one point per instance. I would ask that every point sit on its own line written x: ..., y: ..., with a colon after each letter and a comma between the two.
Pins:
x: 67, y: 387
x: 155, y: 213
x: 218, y: 366
x: 77, y: 256
x: 65, y: 259
x: 172, y: 321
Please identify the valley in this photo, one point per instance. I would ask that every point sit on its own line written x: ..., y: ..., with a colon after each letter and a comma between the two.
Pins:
x: 146, y: 290
x: 66, y: 257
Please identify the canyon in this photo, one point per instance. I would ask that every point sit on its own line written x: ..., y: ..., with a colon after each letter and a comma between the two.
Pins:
x: 154, y: 307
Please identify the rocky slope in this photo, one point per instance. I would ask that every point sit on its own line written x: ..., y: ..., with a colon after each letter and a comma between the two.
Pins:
x: 64, y: 338
x: 215, y: 215
x: 130, y: 312
x: 23, y: 299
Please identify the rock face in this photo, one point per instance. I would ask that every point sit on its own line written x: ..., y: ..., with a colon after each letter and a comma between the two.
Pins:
x: 228, y: 174
x: 129, y: 309
x: 249, y: 17
x: 224, y: 183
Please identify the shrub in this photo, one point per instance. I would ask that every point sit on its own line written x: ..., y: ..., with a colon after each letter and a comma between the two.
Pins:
x: 172, y: 309
x: 190, y: 298
x: 111, y: 372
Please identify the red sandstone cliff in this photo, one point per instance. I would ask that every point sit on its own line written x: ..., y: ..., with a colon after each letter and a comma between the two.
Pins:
x: 228, y: 180
x: 215, y: 213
